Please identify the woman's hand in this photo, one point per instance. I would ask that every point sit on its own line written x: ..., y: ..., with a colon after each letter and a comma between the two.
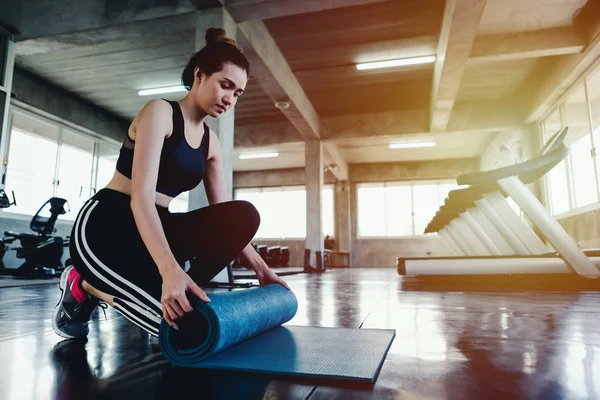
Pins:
x: 265, y: 275
x: 175, y: 304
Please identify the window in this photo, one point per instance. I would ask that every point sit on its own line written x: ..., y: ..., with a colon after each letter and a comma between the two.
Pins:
x: 556, y: 179
x: 575, y: 182
x: 283, y: 210
x: 425, y: 204
x: 593, y: 92
x: 32, y: 182
x: 579, y: 140
x: 47, y: 159
x: 328, y: 215
x: 74, y: 180
x: 399, y: 208
x: 107, y: 161
x: 180, y: 203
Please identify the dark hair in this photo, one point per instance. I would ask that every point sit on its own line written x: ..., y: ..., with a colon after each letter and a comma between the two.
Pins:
x: 219, y: 50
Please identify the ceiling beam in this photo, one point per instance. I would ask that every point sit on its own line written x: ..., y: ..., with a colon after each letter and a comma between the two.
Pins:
x: 375, y: 124
x: 265, y: 134
x: 248, y: 10
x: 533, y: 44
x: 274, y: 75
x: 335, y: 162
x: 42, y: 18
x: 177, y: 24
x: 459, y: 28
x: 466, y: 117
x: 564, y: 74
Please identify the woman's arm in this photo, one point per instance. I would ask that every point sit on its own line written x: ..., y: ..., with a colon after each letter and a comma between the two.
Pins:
x: 214, y: 178
x: 152, y: 128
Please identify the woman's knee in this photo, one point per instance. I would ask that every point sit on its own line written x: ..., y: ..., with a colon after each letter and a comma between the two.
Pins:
x: 249, y: 214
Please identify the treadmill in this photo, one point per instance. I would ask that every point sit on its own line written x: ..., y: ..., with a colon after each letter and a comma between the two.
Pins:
x: 487, y: 237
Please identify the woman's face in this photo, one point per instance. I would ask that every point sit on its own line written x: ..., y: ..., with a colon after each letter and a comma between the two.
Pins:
x: 219, y: 92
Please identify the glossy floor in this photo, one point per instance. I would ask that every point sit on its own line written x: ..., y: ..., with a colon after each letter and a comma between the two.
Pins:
x: 454, y: 342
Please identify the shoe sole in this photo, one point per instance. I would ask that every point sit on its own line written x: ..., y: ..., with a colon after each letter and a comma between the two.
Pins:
x: 62, y: 285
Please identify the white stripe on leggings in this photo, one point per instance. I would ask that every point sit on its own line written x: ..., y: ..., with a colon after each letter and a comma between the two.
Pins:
x: 143, y: 311
x: 142, y: 324
x: 85, y: 213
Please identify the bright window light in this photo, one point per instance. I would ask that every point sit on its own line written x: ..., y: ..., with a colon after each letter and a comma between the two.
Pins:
x: 258, y: 155
x: 162, y: 90
x: 411, y: 145
x: 396, y: 63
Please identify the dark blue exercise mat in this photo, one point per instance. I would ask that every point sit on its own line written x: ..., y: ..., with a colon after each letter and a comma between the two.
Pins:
x: 309, y: 351
x: 228, y: 319
x: 241, y: 331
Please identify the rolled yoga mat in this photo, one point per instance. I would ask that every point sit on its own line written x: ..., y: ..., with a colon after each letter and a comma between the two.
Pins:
x: 240, y: 331
x: 228, y: 319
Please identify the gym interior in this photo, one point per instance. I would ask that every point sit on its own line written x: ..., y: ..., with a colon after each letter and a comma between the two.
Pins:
x: 423, y: 169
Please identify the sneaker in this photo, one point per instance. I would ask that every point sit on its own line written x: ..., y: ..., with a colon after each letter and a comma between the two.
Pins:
x: 73, y: 311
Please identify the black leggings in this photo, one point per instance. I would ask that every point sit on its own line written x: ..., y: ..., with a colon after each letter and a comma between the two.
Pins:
x: 107, y: 249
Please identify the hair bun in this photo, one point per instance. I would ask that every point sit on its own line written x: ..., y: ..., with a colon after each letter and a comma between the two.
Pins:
x: 215, y: 35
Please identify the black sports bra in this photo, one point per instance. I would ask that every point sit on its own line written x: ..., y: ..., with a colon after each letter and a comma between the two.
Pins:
x: 181, y: 167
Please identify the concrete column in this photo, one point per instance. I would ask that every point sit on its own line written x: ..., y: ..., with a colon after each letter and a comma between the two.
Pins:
x: 314, y: 188
x: 342, y: 216
x: 224, y: 125
x: 7, y: 62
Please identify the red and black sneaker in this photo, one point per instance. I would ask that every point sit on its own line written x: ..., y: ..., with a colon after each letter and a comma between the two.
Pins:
x: 73, y: 311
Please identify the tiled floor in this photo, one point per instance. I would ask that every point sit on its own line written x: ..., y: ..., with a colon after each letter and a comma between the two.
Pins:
x: 450, y: 343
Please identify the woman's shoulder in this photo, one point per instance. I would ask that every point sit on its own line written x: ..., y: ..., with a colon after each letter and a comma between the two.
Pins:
x: 157, y: 113
x: 158, y: 107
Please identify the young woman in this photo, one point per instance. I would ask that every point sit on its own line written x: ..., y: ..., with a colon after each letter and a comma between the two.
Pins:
x: 127, y: 249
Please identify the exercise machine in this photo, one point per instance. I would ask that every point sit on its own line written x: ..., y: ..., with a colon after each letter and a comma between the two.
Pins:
x: 489, y: 238
x: 41, y: 251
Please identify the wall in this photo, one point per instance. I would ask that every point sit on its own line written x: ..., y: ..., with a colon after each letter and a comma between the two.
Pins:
x: 510, y: 147
x: 274, y: 177
x: 383, y: 252
x: 10, y: 15
x: 42, y: 95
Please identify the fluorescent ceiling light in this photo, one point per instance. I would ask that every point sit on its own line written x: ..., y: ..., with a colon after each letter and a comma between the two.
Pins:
x: 396, y: 63
x: 162, y: 90
x: 412, y: 145
x: 258, y: 155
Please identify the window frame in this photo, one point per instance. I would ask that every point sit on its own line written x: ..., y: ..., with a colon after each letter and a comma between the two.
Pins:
x: 283, y: 188
x: 543, y: 135
x: 411, y: 184
x: 31, y: 112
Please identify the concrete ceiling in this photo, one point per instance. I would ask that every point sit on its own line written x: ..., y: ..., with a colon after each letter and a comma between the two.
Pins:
x: 499, y: 64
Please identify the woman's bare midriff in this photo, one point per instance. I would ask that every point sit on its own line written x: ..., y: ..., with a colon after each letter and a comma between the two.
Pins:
x: 121, y: 183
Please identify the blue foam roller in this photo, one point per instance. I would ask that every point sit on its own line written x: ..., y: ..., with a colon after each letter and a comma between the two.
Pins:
x: 228, y: 319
